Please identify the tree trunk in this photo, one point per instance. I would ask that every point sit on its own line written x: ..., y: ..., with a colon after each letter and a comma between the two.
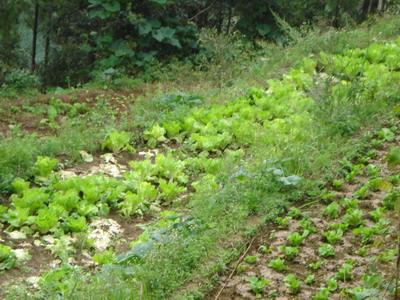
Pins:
x: 228, y: 26
x: 381, y: 5
x: 34, y: 38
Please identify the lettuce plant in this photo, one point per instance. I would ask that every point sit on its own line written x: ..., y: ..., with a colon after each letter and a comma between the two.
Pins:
x: 332, y: 210
x: 46, y: 220
x: 117, y: 141
x: 258, y: 284
x: 8, y: 259
x: 155, y: 135
x: 326, y: 250
x: 44, y: 166
x: 278, y: 264
x: 170, y: 190
x: 292, y: 283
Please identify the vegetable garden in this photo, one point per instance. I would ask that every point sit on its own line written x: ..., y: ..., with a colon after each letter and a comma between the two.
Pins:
x: 188, y: 154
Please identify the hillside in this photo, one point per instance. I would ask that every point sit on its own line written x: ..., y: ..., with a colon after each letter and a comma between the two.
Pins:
x: 272, y: 174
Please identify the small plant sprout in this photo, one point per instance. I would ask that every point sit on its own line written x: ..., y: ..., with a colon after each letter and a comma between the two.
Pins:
x: 295, y: 213
x: 263, y: 249
x: 347, y: 203
x: 377, y: 214
x: 282, y: 222
x: 332, y: 210
x: 278, y: 264
x: 373, y: 170
x: 331, y: 284
x: 322, y: 294
x: 338, y: 184
x: 326, y: 250
x: 315, y: 265
x: 310, y: 279
x: 327, y: 196
x: 345, y: 272
x: 293, y: 284
x: 289, y: 252
x: 333, y: 236
x: 362, y: 251
x: 393, y: 158
x: 364, y: 192
x: 250, y: 259
x: 353, y: 217
x: 295, y: 239
x: 258, y: 284
x: 307, y: 225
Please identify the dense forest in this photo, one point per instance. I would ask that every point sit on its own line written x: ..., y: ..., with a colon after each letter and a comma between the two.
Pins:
x: 64, y: 43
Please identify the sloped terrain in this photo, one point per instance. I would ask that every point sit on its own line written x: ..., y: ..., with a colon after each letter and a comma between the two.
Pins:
x: 342, y: 247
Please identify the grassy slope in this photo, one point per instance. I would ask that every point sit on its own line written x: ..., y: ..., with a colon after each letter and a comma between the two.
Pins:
x: 226, y: 77
x: 173, y: 266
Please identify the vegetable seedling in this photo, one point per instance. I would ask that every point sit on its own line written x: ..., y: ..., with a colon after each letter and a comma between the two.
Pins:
x: 293, y: 284
x: 251, y: 259
x: 326, y: 250
x: 278, y: 264
x: 345, y: 272
x: 332, y: 210
x: 310, y: 279
x: 289, y: 252
x: 258, y: 284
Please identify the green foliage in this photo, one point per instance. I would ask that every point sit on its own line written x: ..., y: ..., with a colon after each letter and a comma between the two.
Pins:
x: 278, y: 264
x: 326, y: 250
x: 322, y: 294
x: 393, y: 158
x: 345, y: 272
x: 7, y: 258
x: 333, y: 236
x: 289, y: 252
x: 332, y: 210
x: 292, y: 283
x: 353, y: 217
x: 104, y: 258
x: 155, y: 135
x: 258, y: 284
x: 295, y: 239
x: 45, y: 165
x: 250, y: 259
x: 310, y: 279
x: 117, y: 141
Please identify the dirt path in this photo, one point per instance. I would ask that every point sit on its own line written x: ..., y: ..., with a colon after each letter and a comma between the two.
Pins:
x: 343, y: 250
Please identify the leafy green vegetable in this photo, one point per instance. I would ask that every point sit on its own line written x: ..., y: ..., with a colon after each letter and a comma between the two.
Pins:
x: 46, y: 220
x: 345, y: 272
x: 155, y: 135
x: 117, y: 141
x: 250, y: 259
x: 8, y: 259
x: 293, y: 284
x: 278, y: 264
x: 289, y: 252
x: 258, y: 284
x: 322, y: 294
x: 19, y: 185
x: 44, y: 166
x: 333, y: 236
x: 310, y: 279
x: 353, y: 217
x: 332, y: 210
x: 104, y: 258
x: 331, y: 284
x: 295, y: 239
x: 326, y: 250
x: 76, y: 223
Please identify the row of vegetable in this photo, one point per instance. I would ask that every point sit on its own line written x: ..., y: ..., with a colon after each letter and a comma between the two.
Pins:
x: 193, y: 150
x: 348, y: 243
